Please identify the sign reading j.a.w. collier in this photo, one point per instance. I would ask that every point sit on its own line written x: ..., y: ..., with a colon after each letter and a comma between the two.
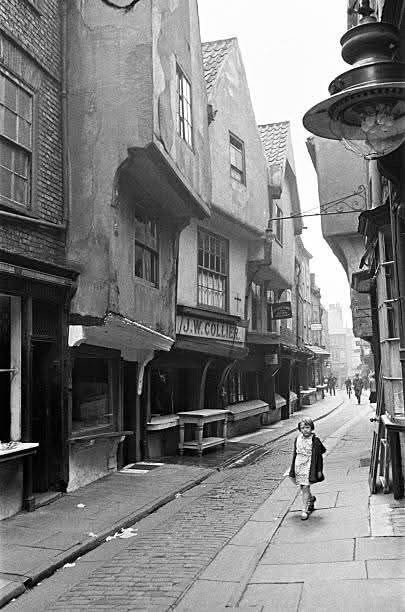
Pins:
x: 203, y: 328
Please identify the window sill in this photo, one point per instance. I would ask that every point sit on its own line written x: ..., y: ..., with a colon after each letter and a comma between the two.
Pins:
x: 14, y: 207
x: 144, y: 283
x: 21, y: 450
x: 212, y: 309
x: 235, y: 181
x: 98, y: 436
x: 184, y: 141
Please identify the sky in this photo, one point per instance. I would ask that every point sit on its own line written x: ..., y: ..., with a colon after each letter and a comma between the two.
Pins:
x: 291, y: 52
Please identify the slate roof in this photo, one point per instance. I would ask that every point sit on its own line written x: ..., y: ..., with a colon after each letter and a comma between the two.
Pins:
x: 274, y: 138
x: 214, y: 53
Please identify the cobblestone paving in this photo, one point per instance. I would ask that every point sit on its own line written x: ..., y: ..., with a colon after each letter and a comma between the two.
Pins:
x: 159, y: 566
x: 156, y: 567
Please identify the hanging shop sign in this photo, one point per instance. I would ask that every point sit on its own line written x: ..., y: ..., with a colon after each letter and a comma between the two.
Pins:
x: 316, y: 326
x: 215, y: 330
x: 281, y: 310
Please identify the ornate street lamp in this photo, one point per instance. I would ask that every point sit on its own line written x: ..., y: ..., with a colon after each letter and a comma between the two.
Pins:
x: 366, y: 109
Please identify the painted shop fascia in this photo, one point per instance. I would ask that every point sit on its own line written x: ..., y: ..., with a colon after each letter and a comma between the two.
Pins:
x: 137, y: 183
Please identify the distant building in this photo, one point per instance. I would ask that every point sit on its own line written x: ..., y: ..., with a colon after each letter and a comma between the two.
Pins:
x: 344, y: 352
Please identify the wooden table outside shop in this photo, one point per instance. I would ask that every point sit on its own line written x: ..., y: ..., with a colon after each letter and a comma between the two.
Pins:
x: 199, y: 418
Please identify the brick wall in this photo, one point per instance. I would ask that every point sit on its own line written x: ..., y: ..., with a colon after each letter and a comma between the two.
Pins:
x: 30, y: 50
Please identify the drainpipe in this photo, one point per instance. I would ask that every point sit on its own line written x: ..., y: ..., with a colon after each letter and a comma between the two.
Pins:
x: 66, y: 362
x: 63, y: 94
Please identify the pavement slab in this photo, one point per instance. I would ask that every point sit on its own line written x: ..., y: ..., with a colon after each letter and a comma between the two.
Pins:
x: 302, y: 572
x: 353, y: 596
x: 354, y: 497
x: 254, y: 533
x: 207, y: 595
x: 274, y: 597
x: 380, y: 548
x: 328, y: 524
x: 271, y: 510
x: 386, y: 568
x: 231, y: 563
x: 297, y: 552
x: 323, y: 501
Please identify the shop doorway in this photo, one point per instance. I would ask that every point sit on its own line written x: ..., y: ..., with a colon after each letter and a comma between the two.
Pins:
x: 45, y: 416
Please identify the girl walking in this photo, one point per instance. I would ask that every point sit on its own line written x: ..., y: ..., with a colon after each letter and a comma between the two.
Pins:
x: 307, y: 464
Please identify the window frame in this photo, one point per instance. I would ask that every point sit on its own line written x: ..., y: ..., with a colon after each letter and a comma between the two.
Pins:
x: 14, y: 360
x: 147, y: 247
x: 16, y: 146
x: 278, y: 224
x: 237, y: 144
x: 184, y: 110
x: 201, y: 268
x: 112, y: 358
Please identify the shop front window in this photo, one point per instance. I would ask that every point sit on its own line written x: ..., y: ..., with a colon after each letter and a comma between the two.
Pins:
x: 237, y: 387
x: 92, y: 403
x: 161, y: 392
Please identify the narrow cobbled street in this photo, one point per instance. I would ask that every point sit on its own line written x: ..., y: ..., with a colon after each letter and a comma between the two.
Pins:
x: 175, y: 545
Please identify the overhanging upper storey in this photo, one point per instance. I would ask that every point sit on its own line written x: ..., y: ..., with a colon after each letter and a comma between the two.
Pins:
x: 152, y: 173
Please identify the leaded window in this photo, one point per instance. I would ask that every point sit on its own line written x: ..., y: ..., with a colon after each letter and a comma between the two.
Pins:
x: 15, y: 142
x: 237, y: 159
x: 278, y: 224
x: 146, y: 248
x: 213, y: 266
x: 184, y: 110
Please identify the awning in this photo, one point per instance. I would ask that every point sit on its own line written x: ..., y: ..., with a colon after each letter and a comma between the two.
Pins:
x: 295, y: 352
x: 211, y: 347
x: 120, y: 333
x: 317, y: 350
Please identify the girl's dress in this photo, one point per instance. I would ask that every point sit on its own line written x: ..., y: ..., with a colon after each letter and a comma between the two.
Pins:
x: 303, y: 460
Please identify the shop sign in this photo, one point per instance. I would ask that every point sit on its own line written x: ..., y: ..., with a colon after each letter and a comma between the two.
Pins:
x: 203, y: 328
x: 281, y: 310
x: 316, y: 326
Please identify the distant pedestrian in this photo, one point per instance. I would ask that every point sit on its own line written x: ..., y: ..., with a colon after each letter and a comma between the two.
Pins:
x: 348, y: 385
x: 357, y: 387
x: 332, y: 385
x: 307, y: 464
x: 373, y: 389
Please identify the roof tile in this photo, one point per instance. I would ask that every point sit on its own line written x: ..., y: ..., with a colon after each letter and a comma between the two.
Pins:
x: 214, y: 53
x: 274, y: 138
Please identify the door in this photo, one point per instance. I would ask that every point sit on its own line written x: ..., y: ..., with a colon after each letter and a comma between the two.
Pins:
x: 45, y: 416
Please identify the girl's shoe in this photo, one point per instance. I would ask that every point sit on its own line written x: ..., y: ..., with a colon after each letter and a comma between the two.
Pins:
x: 311, y: 504
x: 304, y: 516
